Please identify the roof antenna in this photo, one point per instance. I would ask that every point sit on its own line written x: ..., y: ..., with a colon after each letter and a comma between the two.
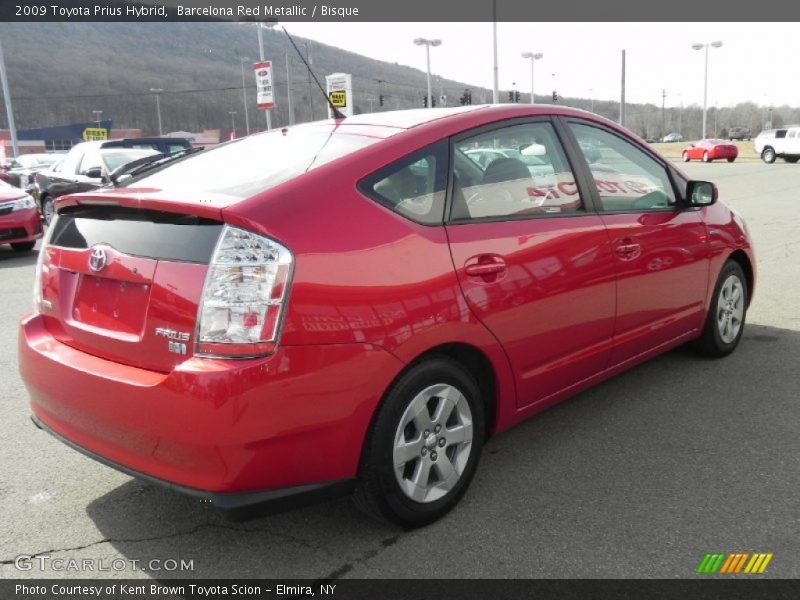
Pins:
x: 336, y: 113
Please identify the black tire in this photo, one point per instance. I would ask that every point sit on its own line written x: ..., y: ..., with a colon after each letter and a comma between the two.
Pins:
x: 47, y: 209
x: 768, y: 155
x: 731, y: 159
x: 378, y: 492
x: 685, y: 156
x: 711, y: 343
x: 791, y: 159
x: 23, y: 246
x: 706, y: 157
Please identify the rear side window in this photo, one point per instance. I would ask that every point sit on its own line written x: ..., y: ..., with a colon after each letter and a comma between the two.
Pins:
x: 511, y: 172
x: 414, y: 186
x: 780, y: 133
x: 257, y: 163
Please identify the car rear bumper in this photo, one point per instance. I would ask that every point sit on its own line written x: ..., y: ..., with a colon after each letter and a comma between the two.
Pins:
x: 212, y: 428
x: 20, y: 226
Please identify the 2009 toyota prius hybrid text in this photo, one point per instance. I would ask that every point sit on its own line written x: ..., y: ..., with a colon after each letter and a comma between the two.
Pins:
x: 357, y: 304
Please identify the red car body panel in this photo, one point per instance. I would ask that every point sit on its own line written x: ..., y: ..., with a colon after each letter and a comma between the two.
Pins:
x: 371, y: 292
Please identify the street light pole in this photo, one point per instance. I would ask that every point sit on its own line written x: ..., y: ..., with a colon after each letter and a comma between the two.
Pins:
x: 716, y: 44
x: 259, y: 27
x: 244, y: 96
x: 157, y: 91
x: 496, y: 84
x: 9, y: 110
x: 534, y: 57
x: 428, y: 43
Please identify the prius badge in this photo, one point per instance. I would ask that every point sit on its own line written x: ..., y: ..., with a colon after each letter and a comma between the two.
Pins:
x: 97, y: 259
x: 175, y: 339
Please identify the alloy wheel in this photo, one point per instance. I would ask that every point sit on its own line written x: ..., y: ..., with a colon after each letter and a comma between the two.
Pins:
x: 730, y: 309
x: 433, y: 443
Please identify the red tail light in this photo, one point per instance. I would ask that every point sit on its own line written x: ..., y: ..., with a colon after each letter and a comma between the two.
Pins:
x: 245, y: 291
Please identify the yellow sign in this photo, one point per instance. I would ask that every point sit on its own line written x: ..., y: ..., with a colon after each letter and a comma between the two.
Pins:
x: 339, y: 98
x: 95, y: 133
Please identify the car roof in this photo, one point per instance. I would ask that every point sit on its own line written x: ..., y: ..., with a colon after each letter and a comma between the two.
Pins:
x: 405, y: 119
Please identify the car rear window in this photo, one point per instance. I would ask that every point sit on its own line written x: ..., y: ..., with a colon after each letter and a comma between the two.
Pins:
x: 257, y: 163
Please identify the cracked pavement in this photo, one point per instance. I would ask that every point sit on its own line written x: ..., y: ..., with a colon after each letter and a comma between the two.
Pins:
x: 638, y: 477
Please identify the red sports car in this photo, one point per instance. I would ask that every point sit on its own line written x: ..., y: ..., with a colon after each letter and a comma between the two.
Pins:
x: 357, y: 304
x: 20, y: 221
x: 708, y: 150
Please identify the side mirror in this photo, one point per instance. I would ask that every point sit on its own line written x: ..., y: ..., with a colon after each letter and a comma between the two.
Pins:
x: 701, y: 193
x: 93, y: 173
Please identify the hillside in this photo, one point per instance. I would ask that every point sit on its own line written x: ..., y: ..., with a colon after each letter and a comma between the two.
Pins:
x: 60, y: 72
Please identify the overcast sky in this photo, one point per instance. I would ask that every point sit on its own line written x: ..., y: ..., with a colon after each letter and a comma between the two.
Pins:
x: 754, y: 63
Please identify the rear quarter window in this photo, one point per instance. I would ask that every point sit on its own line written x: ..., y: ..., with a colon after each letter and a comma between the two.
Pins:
x: 413, y: 186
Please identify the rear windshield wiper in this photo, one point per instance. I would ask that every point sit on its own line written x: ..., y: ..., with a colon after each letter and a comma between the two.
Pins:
x: 148, y: 163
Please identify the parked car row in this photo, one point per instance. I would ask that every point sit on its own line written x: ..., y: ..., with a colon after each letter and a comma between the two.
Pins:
x: 30, y: 183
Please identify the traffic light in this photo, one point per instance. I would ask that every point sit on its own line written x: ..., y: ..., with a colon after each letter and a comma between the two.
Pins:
x: 555, y: 96
x: 510, y: 96
x: 425, y: 101
x: 380, y: 100
x: 433, y: 101
x: 516, y: 96
x: 466, y: 97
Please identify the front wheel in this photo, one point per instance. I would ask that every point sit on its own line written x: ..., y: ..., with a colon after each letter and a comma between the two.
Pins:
x: 726, y: 316
x: 424, y: 445
x: 685, y: 156
x: 768, y: 155
x: 731, y: 159
x: 706, y: 157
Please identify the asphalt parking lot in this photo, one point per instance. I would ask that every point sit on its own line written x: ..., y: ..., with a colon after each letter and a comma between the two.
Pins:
x: 639, y: 477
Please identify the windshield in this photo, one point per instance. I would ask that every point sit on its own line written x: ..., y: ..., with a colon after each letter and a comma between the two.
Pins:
x: 116, y: 158
x: 251, y: 165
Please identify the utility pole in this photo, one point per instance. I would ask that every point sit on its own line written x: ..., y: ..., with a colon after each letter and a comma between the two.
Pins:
x: 310, y: 95
x: 289, y: 90
x: 9, y: 110
x: 244, y: 96
x: 622, y: 95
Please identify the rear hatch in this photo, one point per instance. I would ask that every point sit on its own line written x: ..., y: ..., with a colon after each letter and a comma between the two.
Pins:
x: 124, y: 284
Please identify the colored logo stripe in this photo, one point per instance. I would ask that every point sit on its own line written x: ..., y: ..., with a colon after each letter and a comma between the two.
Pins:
x: 734, y: 562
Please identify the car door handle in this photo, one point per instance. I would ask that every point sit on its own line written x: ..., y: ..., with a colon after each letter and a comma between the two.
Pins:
x: 486, y: 266
x: 487, y: 269
x: 627, y: 249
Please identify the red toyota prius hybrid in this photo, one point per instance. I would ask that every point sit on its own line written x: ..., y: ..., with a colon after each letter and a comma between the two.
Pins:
x: 357, y: 304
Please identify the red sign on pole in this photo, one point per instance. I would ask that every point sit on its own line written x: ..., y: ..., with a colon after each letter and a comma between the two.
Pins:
x: 265, y: 93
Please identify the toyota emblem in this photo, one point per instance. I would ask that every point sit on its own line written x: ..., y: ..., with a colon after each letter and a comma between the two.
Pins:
x: 97, y: 259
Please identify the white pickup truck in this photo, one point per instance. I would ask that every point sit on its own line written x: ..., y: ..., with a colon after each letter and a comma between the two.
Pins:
x: 774, y: 143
